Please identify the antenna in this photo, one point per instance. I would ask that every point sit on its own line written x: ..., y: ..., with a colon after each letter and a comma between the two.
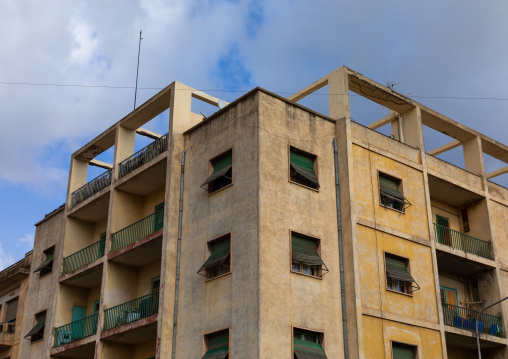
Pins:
x: 391, y: 85
x: 137, y: 71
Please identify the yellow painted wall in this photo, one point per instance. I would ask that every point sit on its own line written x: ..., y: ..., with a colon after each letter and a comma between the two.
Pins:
x: 379, y: 334
x: 152, y: 200
x: 445, y: 210
x: 144, y: 350
x: 145, y: 275
x: 422, y: 305
x: 499, y: 221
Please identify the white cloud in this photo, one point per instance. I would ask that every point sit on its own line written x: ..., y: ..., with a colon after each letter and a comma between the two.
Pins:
x: 27, y: 239
x: 5, y: 259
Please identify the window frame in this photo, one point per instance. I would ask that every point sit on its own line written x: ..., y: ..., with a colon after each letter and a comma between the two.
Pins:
x: 209, y: 252
x: 414, y: 347
x: 320, y: 335
x: 206, y: 339
x: 211, y: 168
x: 319, y: 274
x: 43, y: 271
x: 315, y: 165
x: 400, y: 188
x: 43, y: 329
x: 409, y: 290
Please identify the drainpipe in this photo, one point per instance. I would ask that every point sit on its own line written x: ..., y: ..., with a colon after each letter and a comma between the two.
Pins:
x: 339, y: 226
x: 178, y: 251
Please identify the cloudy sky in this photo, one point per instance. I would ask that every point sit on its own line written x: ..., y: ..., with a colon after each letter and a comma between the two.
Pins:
x: 455, y: 49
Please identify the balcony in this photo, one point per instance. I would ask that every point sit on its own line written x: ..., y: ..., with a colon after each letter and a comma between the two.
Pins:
x: 461, y: 241
x: 7, y: 335
x: 91, y: 188
x: 83, y: 257
x: 140, y: 243
x: 77, y: 330
x: 143, y: 156
x: 464, y: 318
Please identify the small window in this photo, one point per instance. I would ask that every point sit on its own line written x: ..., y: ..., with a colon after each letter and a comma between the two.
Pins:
x: 305, y: 258
x: 159, y: 217
x: 307, y: 344
x: 12, y: 311
x: 465, y: 220
x: 403, y: 351
x: 37, y: 332
x: 219, y: 261
x: 222, y: 173
x: 46, y: 266
x: 217, y: 345
x: 398, y: 278
x: 155, y: 284
x: 303, y: 168
x: 390, y: 193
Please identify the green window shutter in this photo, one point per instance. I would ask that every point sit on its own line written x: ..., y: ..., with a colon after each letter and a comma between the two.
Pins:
x: 47, y: 262
x: 220, y: 251
x: 103, y: 236
x: 396, y: 270
x: 304, y: 165
x: 442, y: 221
x: 218, y: 346
x: 403, y: 351
x: 308, y: 350
x: 37, y: 327
x: 220, y: 168
x: 304, y: 251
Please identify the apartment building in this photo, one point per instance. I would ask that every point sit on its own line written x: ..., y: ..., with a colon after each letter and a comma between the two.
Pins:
x: 13, y: 289
x: 268, y: 230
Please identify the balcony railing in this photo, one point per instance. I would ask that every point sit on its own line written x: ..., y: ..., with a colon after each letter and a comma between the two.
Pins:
x: 138, y: 230
x: 462, y: 241
x: 466, y: 319
x: 143, y: 156
x: 94, y: 186
x: 7, y: 334
x: 79, y: 329
x: 136, y: 309
x: 83, y: 257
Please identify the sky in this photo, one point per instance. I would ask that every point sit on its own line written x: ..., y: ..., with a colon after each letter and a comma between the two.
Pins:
x: 451, y: 50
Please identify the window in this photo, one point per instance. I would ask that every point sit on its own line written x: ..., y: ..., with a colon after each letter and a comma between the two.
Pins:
x: 307, y: 344
x: 222, y: 172
x: 443, y: 230
x: 303, y: 168
x: 159, y: 217
x: 155, y: 284
x: 465, y: 220
x: 219, y: 261
x: 37, y: 332
x: 46, y: 266
x: 403, y: 351
x: 305, y: 258
x: 12, y: 311
x: 390, y: 193
x: 217, y: 345
x: 398, y: 278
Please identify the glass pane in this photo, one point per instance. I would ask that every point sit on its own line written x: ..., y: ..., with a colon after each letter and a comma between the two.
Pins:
x: 310, y: 338
x: 296, y: 267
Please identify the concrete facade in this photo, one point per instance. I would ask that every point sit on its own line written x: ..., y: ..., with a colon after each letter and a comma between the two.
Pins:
x: 137, y: 286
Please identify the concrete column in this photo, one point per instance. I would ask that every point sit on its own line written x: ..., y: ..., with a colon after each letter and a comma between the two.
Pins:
x: 395, y: 130
x: 180, y: 115
x: 77, y: 176
x: 338, y: 92
x: 473, y: 156
x: 124, y: 146
x: 412, y: 131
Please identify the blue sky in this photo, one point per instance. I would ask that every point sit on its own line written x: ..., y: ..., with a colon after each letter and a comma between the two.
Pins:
x: 434, y: 48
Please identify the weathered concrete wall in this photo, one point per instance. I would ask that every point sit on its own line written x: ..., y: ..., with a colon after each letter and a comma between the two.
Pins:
x: 449, y: 171
x: 144, y: 277
x: 152, y: 200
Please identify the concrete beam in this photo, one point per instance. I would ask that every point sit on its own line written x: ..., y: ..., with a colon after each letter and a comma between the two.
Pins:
x: 498, y: 172
x: 143, y: 132
x: 322, y: 82
x: 444, y: 148
x: 100, y: 164
x: 206, y: 98
x: 380, y: 123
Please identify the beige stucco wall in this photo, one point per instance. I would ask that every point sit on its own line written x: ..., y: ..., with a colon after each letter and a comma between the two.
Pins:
x: 445, y: 210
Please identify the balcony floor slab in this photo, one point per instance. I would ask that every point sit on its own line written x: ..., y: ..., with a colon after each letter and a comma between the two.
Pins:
x: 83, y: 348
x: 458, y: 262
x: 93, y: 209
x: 146, y: 179
x: 87, y: 276
x: 467, y: 339
x: 141, y: 252
x: 133, y: 333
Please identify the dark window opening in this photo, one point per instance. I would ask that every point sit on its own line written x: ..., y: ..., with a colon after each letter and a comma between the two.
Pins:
x: 390, y: 193
x: 305, y: 258
x: 307, y: 344
x: 37, y: 332
x: 398, y: 278
x: 217, y: 345
x: 46, y: 266
x: 222, y: 174
x: 219, y: 261
x: 302, y: 168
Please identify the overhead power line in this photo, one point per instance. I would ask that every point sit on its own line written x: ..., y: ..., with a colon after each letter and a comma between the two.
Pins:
x: 237, y: 91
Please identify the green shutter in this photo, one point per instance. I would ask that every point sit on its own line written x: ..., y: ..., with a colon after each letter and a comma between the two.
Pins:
x: 37, y: 327
x: 218, y: 346
x: 401, y: 351
x: 390, y: 188
x: 442, y: 221
x: 303, y: 165
x: 304, y: 251
x: 220, y: 168
x: 46, y: 263
x: 220, y: 251
x: 396, y: 270
x: 308, y: 350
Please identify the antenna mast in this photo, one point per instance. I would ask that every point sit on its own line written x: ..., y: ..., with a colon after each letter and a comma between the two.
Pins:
x: 137, y: 71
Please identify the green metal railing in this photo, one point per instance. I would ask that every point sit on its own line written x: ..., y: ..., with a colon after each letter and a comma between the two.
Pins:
x: 143, y: 156
x: 137, y: 230
x: 466, y: 319
x: 455, y: 239
x: 136, y: 309
x: 83, y: 257
x: 94, y: 186
x: 76, y: 330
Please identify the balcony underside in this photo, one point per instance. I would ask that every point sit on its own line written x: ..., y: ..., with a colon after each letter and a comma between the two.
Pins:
x: 460, y: 263
x: 145, y: 179
x: 447, y: 192
x: 466, y: 339
x: 140, y: 253
x: 88, y: 276
x: 92, y: 209
x: 76, y: 349
x: 133, y: 333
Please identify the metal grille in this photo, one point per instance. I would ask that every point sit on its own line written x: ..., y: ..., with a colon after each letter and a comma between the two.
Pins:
x: 76, y: 330
x: 88, y: 190
x: 138, y: 230
x: 143, y: 156
x: 458, y: 240
x: 83, y: 257
x: 136, y: 309
x: 466, y: 319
